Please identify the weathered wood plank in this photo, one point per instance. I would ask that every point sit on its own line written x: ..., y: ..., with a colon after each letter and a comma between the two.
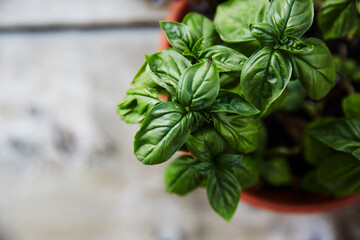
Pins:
x: 25, y: 13
x: 56, y: 86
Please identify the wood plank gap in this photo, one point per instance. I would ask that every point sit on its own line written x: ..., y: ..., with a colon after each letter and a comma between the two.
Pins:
x: 76, y: 27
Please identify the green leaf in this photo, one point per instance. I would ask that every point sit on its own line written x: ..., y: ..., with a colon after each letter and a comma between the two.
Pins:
x: 229, y: 80
x: 226, y: 59
x: 265, y: 76
x: 348, y: 68
x: 351, y: 106
x: 228, y: 161
x: 144, y: 77
x: 314, y: 150
x: 294, y: 45
x: 341, y: 174
x: 164, y: 130
x: 277, y: 171
x: 315, y: 68
x: 189, y: 54
x: 223, y: 191
x: 232, y: 18
x: 136, y: 104
x: 291, y: 17
x: 337, y: 18
x: 265, y: 33
x: 295, y: 96
x: 198, y: 48
x: 200, y: 118
x: 246, y: 48
x: 247, y: 171
x: 358, y: 5
x: 202, y: 27
x: 356, y: 153
x: 183, y: 175
x: 311, y: 184
x: 167, y: 66
x: 233, y: 103
x: 241, y: 133
x: 341, y: 134
x: 180, y: 36
x: 263, y: 140
x: 199, y: 86
x: 206, y: 143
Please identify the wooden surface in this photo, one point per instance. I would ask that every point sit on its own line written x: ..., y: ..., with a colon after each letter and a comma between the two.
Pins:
x: 36, y: 13
x: 67, y: 170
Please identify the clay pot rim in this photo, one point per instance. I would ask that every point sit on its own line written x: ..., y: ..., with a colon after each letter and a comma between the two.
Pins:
x: 276, y: 202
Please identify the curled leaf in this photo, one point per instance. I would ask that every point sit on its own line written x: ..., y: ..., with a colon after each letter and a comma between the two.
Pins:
x: 199, y: 86
x: 136, y: 104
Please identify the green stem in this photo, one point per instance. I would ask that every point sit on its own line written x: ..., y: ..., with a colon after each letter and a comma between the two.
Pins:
x: 283, y: 151
x: 348, y: 86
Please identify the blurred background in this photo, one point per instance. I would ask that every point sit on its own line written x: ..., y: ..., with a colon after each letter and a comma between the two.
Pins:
x: 67, y: 170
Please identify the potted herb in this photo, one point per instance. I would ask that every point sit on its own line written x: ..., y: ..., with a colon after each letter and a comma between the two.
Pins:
x: 254, y: 96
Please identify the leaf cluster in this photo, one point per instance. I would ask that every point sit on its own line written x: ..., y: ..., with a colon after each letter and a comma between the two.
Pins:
x: 216, y: 91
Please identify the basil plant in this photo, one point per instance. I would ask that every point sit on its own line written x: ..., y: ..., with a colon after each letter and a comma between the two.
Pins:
x: 252, y: 99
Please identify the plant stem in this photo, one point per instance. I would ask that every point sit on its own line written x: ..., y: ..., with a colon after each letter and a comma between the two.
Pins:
x: 348, y: 86
x: 283, y: 151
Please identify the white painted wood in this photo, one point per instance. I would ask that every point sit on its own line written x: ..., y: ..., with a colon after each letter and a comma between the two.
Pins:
x: 14, y: 13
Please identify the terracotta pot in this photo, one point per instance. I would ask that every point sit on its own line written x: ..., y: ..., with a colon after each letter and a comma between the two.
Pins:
x: 282, y: 202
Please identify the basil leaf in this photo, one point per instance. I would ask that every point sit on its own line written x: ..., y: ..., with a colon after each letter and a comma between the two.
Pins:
x: 198, y: 48
x: 356, y: 153
x: 265, y: 76
x: 199, y: 86
x: 265, y: 33
x: 234, y: 27
x: 136, y: 104
x: 341, y: 174
x: 189, y: 54
x: 351, y: 106
x: 200, y: 118
x: 295, y: 96
x: 337, y: 18
x: 233, y: 103
x: 291, y: 17
x: 314, y: 150
x: 311, y: 184
x: 182, y: 175
x: 247, y: 171
x: 226, y: 59
x: 277, y: 171
x: 294, y: 45
x: 228, y: 161
x: 144, y: 78
x: 167, y: 66
x: 263, y: 140
x: 341, y: 134
x: 202, y: 27
x: 206, y: 143
x: 223, y: 191
x: 229, y: 80
x: 315, y: 68
x: 241, y: 133
x: 179, y: 35
x: 348, y: 68
x: 164, y: 130
x: 246, y: 48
